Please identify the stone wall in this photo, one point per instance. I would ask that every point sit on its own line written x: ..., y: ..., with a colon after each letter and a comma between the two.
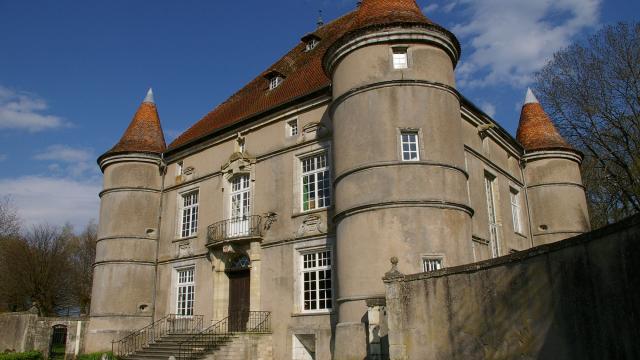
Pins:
x: 26, y: 331
x: 575, y: 299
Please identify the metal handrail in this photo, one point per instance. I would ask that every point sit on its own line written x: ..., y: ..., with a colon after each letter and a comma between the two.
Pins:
x: 239, y: 227
x: 241, y: 321
x: 169, y: 324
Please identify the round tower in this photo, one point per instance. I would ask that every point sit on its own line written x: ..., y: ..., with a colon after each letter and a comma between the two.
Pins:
x: 399, y: 168
x: 124, y: 269
x: 555, y: 193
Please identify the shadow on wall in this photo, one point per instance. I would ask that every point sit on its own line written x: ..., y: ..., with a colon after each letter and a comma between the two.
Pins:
x: 575, y: 299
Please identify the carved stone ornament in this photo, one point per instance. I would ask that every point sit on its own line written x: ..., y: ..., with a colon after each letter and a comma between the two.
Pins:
x: 393, y: 273
x: 230, y: 249
x: 269, y: 219
x: 184, y: 249
x: 311, y: 224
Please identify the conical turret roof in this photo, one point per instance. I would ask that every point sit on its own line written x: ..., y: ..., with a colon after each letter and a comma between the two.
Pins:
x: 379, y: 12
x: 536, y: 130
x: 144, y: 133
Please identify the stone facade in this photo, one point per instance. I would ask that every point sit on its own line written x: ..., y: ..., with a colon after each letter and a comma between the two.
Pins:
x: 257, y: 216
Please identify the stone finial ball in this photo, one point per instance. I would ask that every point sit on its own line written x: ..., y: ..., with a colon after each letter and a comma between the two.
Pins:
x: 394, y: 260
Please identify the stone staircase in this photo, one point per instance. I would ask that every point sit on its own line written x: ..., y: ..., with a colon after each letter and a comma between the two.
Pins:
x: 169, y: 345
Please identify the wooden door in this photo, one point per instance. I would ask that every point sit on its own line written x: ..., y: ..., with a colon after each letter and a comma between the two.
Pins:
x: 239, y: 301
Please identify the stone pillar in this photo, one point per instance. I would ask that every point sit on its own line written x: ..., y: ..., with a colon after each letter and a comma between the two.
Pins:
x: 393, y: 281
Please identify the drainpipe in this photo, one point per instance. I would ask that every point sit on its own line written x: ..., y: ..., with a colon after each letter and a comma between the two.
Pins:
x: 162, y: 167
x: 523, y: 163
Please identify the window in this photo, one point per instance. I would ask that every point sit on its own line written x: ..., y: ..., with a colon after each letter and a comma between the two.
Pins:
x: 316, y: 280
x: 515, y: 210
x: 240, y: 206
x: 274, y: 82
x: 311, y: 44
x: 292, y: 127
x: 189, y: 219
x: 185, y: 291
x: 400, y: 58
x: 409, y: 143
x: 179, y: 168
x: 316, y: 182
x: 491, y: 209
x: 431, y: 264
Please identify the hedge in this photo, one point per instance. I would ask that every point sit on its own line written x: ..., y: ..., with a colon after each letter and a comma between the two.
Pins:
x: 29, y: 355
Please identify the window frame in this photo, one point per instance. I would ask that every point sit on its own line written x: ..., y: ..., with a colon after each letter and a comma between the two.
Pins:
x: 491, y: 195
x: 400, y: 50
x: 410, y: 132
x: 290, y: 129
x: 326, y: 169
x: 316, y: 269
x: 275, y: 81
x: 185, y: 307
x: 428, y: 258
x: 193, y: 230
x: 516, y: 209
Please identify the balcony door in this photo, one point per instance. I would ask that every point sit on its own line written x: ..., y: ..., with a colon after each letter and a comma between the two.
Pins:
x: 240, y: 206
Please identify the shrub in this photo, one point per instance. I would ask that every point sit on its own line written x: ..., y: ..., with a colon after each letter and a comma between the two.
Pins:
x: 29, y: 355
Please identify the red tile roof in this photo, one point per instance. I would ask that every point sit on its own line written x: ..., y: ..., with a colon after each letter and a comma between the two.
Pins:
x: 536, y: 130
x: 144, y: 133
x: 302, y: 69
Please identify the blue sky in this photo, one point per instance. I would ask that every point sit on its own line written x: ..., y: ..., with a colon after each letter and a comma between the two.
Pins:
x: 72, y: 73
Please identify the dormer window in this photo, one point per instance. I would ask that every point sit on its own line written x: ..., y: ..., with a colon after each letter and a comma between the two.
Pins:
x: 275, y: 82
x: 311, y: 41
x: 275, y: 79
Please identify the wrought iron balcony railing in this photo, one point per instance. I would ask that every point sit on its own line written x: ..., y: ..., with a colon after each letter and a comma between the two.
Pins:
x: 241, y: 227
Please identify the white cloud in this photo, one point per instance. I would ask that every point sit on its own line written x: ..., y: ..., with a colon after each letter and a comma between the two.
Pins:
x: 79, y: 161
x: 25, y: 111
x: 509, y: 40
x: 430, y: 8
x: 64, y: 153
x: 54, y: 201
x: 449, y: 6
x: 488, y: 108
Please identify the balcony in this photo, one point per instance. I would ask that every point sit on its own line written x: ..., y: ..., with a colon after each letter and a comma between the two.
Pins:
x: 235, y: 229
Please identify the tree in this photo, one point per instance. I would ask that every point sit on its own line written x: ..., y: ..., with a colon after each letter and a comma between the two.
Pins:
x: 82, y: 258
x: 36, y: 269
x: 592, y: 90
x: 9, y: 223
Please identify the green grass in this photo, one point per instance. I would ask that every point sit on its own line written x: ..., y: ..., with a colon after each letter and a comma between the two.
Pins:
x: 29, y: 355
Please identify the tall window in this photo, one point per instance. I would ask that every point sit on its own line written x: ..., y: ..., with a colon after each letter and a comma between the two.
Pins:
x: 189, y: 220
x: 240, y: 206
x: 400, y: 58
x: 431, y: 264
x: 409, y: 142
x: 515, y: 210
x: 316, y: 182
x: 316, y: 280
x: 186, y: 292
x: 491, y: 208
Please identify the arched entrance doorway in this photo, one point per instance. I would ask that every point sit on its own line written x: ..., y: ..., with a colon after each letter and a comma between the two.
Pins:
x: 58, y: 342
x: 239, y: 292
